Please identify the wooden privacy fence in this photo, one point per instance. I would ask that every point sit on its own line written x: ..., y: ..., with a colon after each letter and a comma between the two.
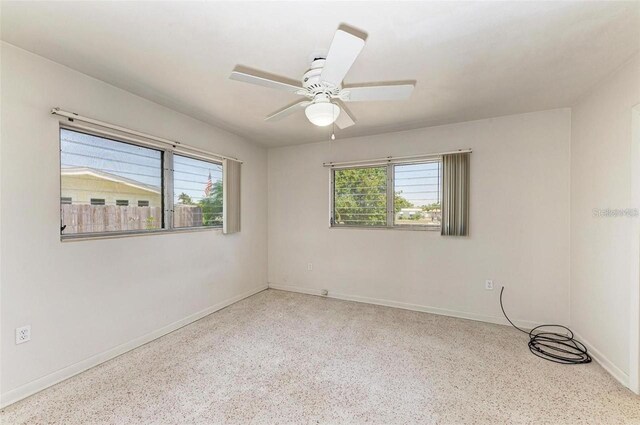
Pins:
x: 112, y: 218
x: 187, y: 216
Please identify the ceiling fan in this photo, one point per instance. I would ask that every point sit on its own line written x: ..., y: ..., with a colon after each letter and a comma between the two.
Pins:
x: 322, y: 84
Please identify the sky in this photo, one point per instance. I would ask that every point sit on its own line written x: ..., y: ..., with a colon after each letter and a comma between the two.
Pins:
x: 191, y: 175
x: 419, y: 183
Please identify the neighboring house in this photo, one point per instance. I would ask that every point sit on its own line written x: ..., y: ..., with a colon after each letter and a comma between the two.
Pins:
x: 84, y: 185
x: 409, y: 212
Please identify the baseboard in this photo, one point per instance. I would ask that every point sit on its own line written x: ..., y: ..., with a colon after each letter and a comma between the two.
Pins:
x: 525, y: 324
x: 40, y: 384
x: 606, y: 364
x: 44, y: 382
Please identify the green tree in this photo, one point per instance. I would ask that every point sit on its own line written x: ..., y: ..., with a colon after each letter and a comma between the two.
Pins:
x: 361, y: 196
x: 150, y: 223
x: 212, y: 206
x: 432, y: 207
x: 400, y: 202
x: 185, y: 199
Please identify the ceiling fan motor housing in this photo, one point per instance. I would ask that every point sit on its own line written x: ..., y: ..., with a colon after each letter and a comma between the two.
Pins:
x: 312, y: 84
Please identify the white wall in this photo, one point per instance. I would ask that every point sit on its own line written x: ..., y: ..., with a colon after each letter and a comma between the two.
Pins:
x: 519, y: 223
x: 86, y: 300
x: 604, y: 257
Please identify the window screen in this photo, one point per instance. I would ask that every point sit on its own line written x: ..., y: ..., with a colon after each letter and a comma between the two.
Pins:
x: 97, y: 174
x: 197, y: 192
x: 360, y: 196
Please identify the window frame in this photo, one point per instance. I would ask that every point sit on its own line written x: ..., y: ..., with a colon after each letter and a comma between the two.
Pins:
x: 166, y: 182
x: 391, y: 222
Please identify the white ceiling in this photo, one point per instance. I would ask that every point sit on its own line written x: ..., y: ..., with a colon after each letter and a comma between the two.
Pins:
x: 470, y: 60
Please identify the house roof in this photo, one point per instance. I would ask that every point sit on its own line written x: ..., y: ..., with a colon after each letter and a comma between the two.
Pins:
x: 80, y: 171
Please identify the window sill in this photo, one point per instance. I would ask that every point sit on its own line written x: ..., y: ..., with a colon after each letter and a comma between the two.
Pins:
x: 118, y: 235
x: 402, y: 228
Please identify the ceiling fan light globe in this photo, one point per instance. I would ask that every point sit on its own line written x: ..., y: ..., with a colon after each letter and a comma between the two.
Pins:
x: 322, y: 114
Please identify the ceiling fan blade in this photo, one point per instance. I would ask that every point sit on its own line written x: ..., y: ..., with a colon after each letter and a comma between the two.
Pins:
x: 287, y: 110
x: 378, y: 92
x: 260, y: 78
x: 345, y: 118
x: 343, y: 52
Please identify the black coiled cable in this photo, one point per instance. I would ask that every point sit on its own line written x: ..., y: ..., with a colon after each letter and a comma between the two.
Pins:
x: 553, y: 346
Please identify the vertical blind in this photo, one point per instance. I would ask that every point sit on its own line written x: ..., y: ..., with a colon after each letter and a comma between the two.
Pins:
x: 231, y: 203
x: 455, y: 194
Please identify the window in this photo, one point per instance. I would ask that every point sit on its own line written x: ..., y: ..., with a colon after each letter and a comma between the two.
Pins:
x: 112, y: 186
x: 100, y: 175
x: 388, y: 196
x: 197, y: 193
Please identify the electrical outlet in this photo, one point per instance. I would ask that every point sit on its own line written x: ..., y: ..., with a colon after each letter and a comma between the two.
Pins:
x: 23, y: 334
x: 310, y: 266
x: 488, y: 285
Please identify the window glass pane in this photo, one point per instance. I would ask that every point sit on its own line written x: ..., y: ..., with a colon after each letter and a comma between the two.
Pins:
x: 417, y: 194
x: 360, y: 196
x: 197, y: 191
x: 99, y: 175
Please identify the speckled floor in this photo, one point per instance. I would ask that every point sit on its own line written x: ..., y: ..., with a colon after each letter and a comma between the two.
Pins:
x: 280, y: 357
